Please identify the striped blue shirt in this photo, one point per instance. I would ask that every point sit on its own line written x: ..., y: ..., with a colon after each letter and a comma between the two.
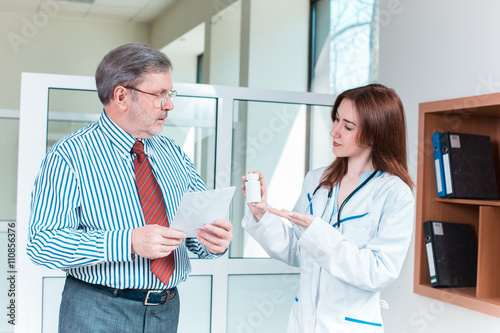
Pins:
x: 85, y: 204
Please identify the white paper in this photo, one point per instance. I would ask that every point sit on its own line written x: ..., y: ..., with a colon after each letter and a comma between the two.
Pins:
x: 198, y: 208
x: 438, y: 228
x: 447, y: 173
x: 438, y: 175
x: 430, y: 259
x: 455, y: 141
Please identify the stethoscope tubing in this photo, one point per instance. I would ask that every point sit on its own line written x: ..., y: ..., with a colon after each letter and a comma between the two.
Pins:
x: 330, y: 193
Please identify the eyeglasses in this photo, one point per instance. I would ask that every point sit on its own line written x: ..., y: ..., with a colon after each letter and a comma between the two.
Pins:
x: 163, y: 97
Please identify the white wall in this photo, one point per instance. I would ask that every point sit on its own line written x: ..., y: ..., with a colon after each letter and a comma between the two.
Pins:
x: 278, y: 44
x: 184, y: 52
x: 60, y: 46
x: 48, y: 43
x: 184, y: 15
x: 433, y: 50
x: 184, y: 67
x: 225, y: 46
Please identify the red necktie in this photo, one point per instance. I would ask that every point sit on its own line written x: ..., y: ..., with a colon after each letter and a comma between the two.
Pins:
x: 153, y: 208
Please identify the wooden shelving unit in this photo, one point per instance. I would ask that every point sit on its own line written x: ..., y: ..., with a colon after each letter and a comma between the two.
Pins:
x: 473, y: 115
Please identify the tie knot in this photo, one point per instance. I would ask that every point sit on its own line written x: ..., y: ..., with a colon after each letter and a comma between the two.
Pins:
x: 138, y: 149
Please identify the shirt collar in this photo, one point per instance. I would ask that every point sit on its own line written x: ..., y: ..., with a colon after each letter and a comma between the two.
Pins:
x: 118, y: 137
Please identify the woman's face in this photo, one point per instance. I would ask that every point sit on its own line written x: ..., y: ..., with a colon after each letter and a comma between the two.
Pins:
x: 345, y: 130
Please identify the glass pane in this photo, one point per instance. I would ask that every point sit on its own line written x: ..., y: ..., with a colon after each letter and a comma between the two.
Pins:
x: 260, y: 303
x: 191, y: 124
x: 71, y: 101
x: 51, y: 299
x: 5, y: 285
x: 225, y: 40
x: 196, y: 304
x: 271, y: 138
x: 58, y: 129
x: 320, y: 149
x: 9, y: 132
x: 70, y: 110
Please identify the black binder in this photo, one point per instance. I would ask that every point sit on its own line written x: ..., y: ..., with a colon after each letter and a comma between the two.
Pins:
x: 451, y: 253
x: 469, y: 170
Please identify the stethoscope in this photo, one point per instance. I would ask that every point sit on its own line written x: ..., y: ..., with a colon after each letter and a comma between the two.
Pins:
x: 330, y: 193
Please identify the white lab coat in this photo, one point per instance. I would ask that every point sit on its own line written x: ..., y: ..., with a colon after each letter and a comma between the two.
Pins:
x: 343, y: 270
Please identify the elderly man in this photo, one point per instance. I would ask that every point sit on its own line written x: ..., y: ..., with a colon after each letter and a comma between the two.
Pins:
x: 103, y: 201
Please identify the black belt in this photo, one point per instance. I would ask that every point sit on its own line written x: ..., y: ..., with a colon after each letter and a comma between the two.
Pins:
x: 147, y: 297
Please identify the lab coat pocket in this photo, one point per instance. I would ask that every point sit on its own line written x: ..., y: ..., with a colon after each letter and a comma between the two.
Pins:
x: 358, y: 230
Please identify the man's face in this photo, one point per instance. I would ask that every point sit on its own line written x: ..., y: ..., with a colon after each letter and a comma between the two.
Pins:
x: 146, y: 117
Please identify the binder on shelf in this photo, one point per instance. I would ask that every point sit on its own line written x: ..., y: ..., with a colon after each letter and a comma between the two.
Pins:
x: 438, y: 164
x: 468, y: 170
x: 451, y: 254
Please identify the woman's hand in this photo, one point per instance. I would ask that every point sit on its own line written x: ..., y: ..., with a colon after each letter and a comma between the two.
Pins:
x: 302, y: 220
x: 258, y: 209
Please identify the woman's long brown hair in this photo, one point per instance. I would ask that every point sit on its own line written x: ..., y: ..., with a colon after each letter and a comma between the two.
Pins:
x: 382, y: 127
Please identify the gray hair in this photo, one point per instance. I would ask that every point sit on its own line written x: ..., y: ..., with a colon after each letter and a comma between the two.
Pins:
x: 126, y: 66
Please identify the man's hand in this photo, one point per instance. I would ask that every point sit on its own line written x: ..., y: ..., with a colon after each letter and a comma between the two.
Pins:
x: 154, y: 241
x: 216, y: 237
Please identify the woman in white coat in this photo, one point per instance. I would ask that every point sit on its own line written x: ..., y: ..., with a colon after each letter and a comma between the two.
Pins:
x: 353, y: 221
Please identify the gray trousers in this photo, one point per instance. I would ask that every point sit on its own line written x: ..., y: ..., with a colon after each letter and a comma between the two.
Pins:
x: 85, y: 309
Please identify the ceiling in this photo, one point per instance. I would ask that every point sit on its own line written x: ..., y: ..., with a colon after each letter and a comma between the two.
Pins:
x: 121, y: 10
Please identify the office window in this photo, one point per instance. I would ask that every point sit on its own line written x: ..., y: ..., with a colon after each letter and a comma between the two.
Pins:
x: 345, y: 44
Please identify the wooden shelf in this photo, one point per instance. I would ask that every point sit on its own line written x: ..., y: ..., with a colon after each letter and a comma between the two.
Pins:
x: 464, y: 297
x: 473, y: 115
x: 495, y: 203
